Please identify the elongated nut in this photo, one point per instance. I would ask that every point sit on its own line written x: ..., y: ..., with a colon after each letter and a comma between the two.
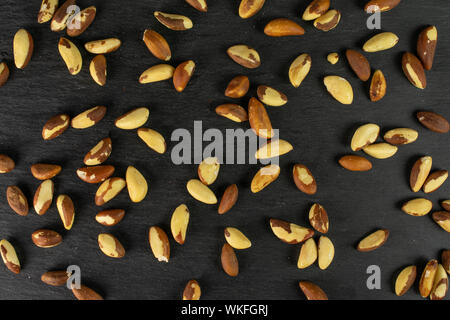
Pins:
x: 201, y: 192
x: 208, y: 170
x: 304, y: 180
x: 308, y: 254
x: 238, y: 87
x: 299, y: 69
x: 312, y: 291
x: 55, y: 126
x: 419, y: 173
x: 405, y: 280
x: 339, y: 88
x: 355, y: 163
x: 445, y: 260
x: 289, y: 232
x: 97, y: 68
x: 417, y: 207
x: 23, y: 48
x: 440, y: 285
x: 381, y: 150
x: 248, y: 8
x: 230, y: 263
x: 229, y: 199
x: 373, y: 241
x: 380, y: 5
x: 183, y: 74
x: 245, y: 56
x: 271, y: 96
x: 426, y: 46
x: 380, y: 42
x: 81, y: 21
x: 4, y: 73
x: 111, y: 217
x: 328, y: 21
x: 153, y: 139
x: 315, y: 9
x: 157, y: 73
x: 200, y: 5
x: 103, y: 46
x: 233, y: 112
x: 400, y: 136
x: 47, y: 10
x: 85, y: 293
x: 66, y: 210
x: 45, y: 238
x: 325, y: 249
x: 88, y: 118
x: 273, y: 148
x: 378, y: 86
x: 333, y: 57
x: 71, y: 56
x: 237, y: 239
x: 95, y: 174
x: 192, y: 291
x: 6, y: 164
x: 318, y: 218
x: 283, y: 27
x: 17, y: 200
x: 109, y: 190
x: 435, y: 181
x: 427, y: 278
x: 159, y: 244
x: 413, y: 70
x: 100, y: 153
x: 110, y: 246
x: 66, y: 11
x: 133, y: 119
x: 157, y: 45
x: 442, y: 218
x: 446, y: 205
x: 433, y: 121
x: 365, y: 135
x: 136, y: 184
x: 173, y: 21
x: 359, y: 64
x: 43, y: 197
x: 9, y: 256
x: 179, y: 223
x: 259, y: 119
x: 264, y: 177
x: 55, y: 278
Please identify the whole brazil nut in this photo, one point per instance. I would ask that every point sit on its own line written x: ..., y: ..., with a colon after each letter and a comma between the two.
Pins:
x: 442, y: 218
x: 328, y: 21
x: 17, y: 200
x: 179, y: 223
x: 66, y: 210
x: 237, y: 87
x: 405, y: 280
x: 159, y: 72
x: 373, y: 241
x: 265, y: 176
x: 381, y: 150
x: 157, y: 45
x: 378, y: 86
x: 230, y: 263
x: 299, y: 69
x: 44, y: 238
x: 271, y: 96
x: 153, y: 139
x: 419, y: 173
x: 417, y: 207
x: 427, y: 279
x: 62, y: 15
x: 236, y: 239
x: 78, y: 24
x: 273, y: 148
x: 435, y: 180
x: 312, y: 291
x: 380, y: 42
x: 173, y: 21
x: 233, y: 112
x: 23, y: 46
x: 100, y: 153
x: 445, y: 260
x: 183, y: 74
x: 380, y: 5
x: 308, y: 254
x: 446, y: 205
x: 9, y: 256
x: 355, y: 163
x: 289, y: 232
x: 318, y: 218
x: 401, y: 136
x: 229, y: 199
x: 440, y: 284
x: 248, y: 8
x: 71, y: 56
x: 95, y: 174
x: 6, y: 164
x: 55, y: 278
x: 98, y: 69
x: 414, y: 71
x: 159, y: 243
x: 325, y: 249
x: 315, y: 9
x: 201, y: 192
x: 88, y: 118
x: 359, y: 64
x: 433, y: 121
x: 245, y: 56
x: 339, y: 88
x: 133, y: 119
x: 283, y: 27
x: 365, y: 135
x: 426, y: 46
x: 200, y: 5
x: 43, y: 197
x: 47, y: 10
x: 110, y: 246
x: 259, y: 119
x: 103, y: 46
x: 136, y: 184
x: 208, y: 170
x: 4, y: 73
x: 108, y: 190
x: 192, y: 291
x: 85, y: 293
x: 111, y: 217
x: 55, y: 126
x: 304, y: 179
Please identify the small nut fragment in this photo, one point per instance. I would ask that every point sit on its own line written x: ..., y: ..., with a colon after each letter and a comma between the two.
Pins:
x: 417, y: 207
x: 264, y: 177
x: 328, y: 21
x: 100, y: 153
x: 55, y: 278
x: 133, y: 119
x: 200, y: 5
x: 299, y: 69
x: 16, y: 200
x: 4, y: 73
x: 110, y: 246
x: 153, y: 139
x: 440, y: 285
x: 45, y: 238
x: 108, y: 190
x: 381, y: 150
x: 373, y: 241
x: 400, y: 136
x: 183, y: 74
x: 77, y: 24
x: 208, y: 170
x: 433, y: 121
x: 9, y: 256
x: 365, y: 135
x: 355, y: 163
x: 173, y: 21
x: 248, y: 8
x: 312, y: 291
x: 318, y: 218
x: 85, y: 293
x: 427, y: 278
x: 419, y: 173
x: 47, y: 10
x: 66, y: 210
x: 157, y: 45
x: 136, y: 184
x: 88, y: 118
x: 61, y: 17
x: 325, y: 250
x: 308, y: 254
x: 238, y: 87
x: 380, y: 5
x: 442, y: 218
x: 6, y: 164
x: 192, y: 291
x: 55, y: 126
x: 23, y: 48
x: 339, y: 88
x: 233, y: 112
x: 98, y: 68
x: 377, y: 86
x: 160, y: 72
x: 289, y: 232
x: 103, y: 46
x: 179, y: 223
x: 71, y: 56
x: 445, y: 260
x: 446, y: 205
x: 435, y: 181
x: 237, y: 239
x: 283, y: 27
x: 245, y: 56
x: 304, y: 180
x: 271, y: 96
x: 230, y: 263
x: 159, y: 244
x: 380, y: 42
x: 413, y: 70
x: 201, y: 192
x: 273, y: 148
x: 111, y: 217
x: 333, y: 58
x: 95, y: 174
x: 426, y: 46
x: 259, y: 119
x: 405, y: 280
x: 315, y: 9
x: 229, y: 199
x: 43, y: 197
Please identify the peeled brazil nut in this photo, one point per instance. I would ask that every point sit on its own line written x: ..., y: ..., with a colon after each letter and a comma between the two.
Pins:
x: 17, y: 200
x: 355, y: 163
x: 45, y: 238
x: 55, y: 126
x: 42, y: 171
x: 78, y: 24
x: 315, y: 9
x: 405, y: 280
x: 248, y: 8
x: 179, y: 223
x: 173, y: 21
x: 153, y: 139
x: 283, y: 27
x: 4, y: 73
x: 62, y: 15
x: 435, y: 180
x: 71, y: 56
x: 328, y: 21
x: 159, y: 244
x: 318, y: 218
x: 419, y: 173
x: 325, y: 250
x: 427, y: 278
x: 208, y: 170
x: 237, y: 87
x: 110, y: 217
x: 43, y: 197
x: 136, y: 184
x: 23, y: 47
x: 200, y: 5
x: 229, y: 199
x: 308, y: 254
x: 192, y: 291
x: 157, y: 73
x: 381, y: 150
x: 201, y: 192
x: 85, y: 293
x: 237, y: 239
x: 230, y: 263
x: 103, y: 46
x: 66, y: 210
x: 9, y: 256
x: 55, y: 278
x: 264, y: 177
x: 440, y: 284
x: 110, y: 246
x: 365, y: 135
x: 380, y: 42
x: 333, y: 58
x: 157, y: 45
x: 339, y: 88
x: 233, y: 112
x: 299, y: 69
x: 88, y: 118
x: 97, y: 68
x: 183, y: 74
x: 100, y: 153
x: 417, y: 207
x: 359, y: 64
x: 95, y: 174
x: 273, y: 148
x: 271, y: 96
x: 47, y: 10
x: 380, y: 5
x: 6, y: 164
x: 289, y: 232
x: 433, y: 121
x: 373, y: 241
x: 426, y: 46
x: 312, y: 291
x: 133, y: 119
x: 378, y: 86
x: 109, y: 190
x: 304, y: 180
x: 400, y: 136
x: 245, y: 56
x: 413, y: 70
x: 259, y: 119
x: 442, y: 218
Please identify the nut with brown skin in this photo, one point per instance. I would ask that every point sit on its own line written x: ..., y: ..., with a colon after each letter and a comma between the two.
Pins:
x: 23, y: 47
x: 62, y: 15
x: 427, y: 278
x: 417, y: 207
x: 179, y: 223
x: 85, y: 293
x: 426, y: 46
x: 201, y: 192
x: 233, y: 112
x: 159, y: 244
x: 312, y: 291
x: 339, y: 88
x: 245, y: 56
x: 433, y: 121
x: 100, y: 153
x: 365, y: 135
x: 259, y: 119
x: 355, y: 163
x: 229, y: 199
x: 6, y: 164
x: 153, y: 139
x: 271, y: 96
x: 103, y: 46
x: 237, y: 239
x: 446, y: 205
x: 289, y: 232
x: 71, y: 56
x: 98, y: 70
x: 318, y: 218
x: 17, y: 200
x: 110, y: 217
x: 400, y: 136
x: 9, y: 256
x: 442, y: 218
x: 55, y: 126
x: 183, y: 74
x: 445, y: 260
x: 328, y: 21
x: 237, y: 87
x: 264, y: 177
x: 419, y: 173
x: 440, y: 285
x: 230, y: 263
x: 248, y: 8
x: 435, y: 180
x: 299, y: 69
x: 44, y: 238
x: 200, y: 5
x: 132, y: 119
x: 88, y: 118
x: 373, y: 241
x: 315, y: 9
x: 308, y: 254
x: 173, y: 21
x: 43, y: 197
x: 380, y: 42
x: 108, y: 190
x: 192, y: 291
x: 78, y: 24
x: 304, y: 180
x: 66, y: 210
x: 110, y: 246
x: 413, y: 70
x: 4, y: 73
x: 47, y: 10
x: 380, y: 5
x: 95, y: 174
x: 378, y: 86
x: 405, y: 280
x: 55, y: 278
x: 359, y: 64
x: 283, y: 27
x: 157, y: 45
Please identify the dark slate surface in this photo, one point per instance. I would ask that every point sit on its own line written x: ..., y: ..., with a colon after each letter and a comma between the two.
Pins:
x: 318, y: 127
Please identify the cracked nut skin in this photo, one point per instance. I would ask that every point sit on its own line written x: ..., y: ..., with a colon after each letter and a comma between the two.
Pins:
x: 365, y: 135
x: 426, y: 46
x: 304, y: 179
x: 417, y: 207
x: 200, y: 5
x: 179, y: 223
x: 359, y: 64
x: 299, y: 69
x: 325, y: 249
x: 380, y: 42
x: 208, y: 170
x: 97, y: 69
x: 328, y: 21
x: 160, y: 72
x: 229, y: 199
x: 339, y: 88
x: 108, y: 190
x: 244, y: 56
x: 43, y: 197
x: 71, y: 56
x: 199, y: 191
x: 23, y: 46
x: 265, y: 176
x: 312, y: 291
x: 427, y: 279
x: 88, y: 118
x: 100, y: 153
x: 85, y: 293
x: 233, y: 112
x: 66, y: 210
x: 17, y: 200
x: 289, y: 232
x: 192, y: 291
x: 248, y: 8
x: 133, y: 119
x: 273, y: 148
x: 378, y: 86
x: 159, y: 243
x: 315, y: 9
x: 230, y: 263
x: 435, y: 180
x: 259, y: 119
x: 47, y: 10
x: 283, y: 27
x: 110, y: 217
x: 318, y: 218
x: 414, y: 71
x: 401, y: 136
x: 174, y: 22
x: 44, y: 238
x: 153, y: 139
x: 271, y: 96
x: 308, y: 254
x: 355, y: 163
x: 183, y: 74
x: 405, y: 280
x: 442, y: 218
x: 103, y: 46
x: 4, y: 73
x: 381, y: 150
x: 419, y: 173
x: 136, y: 184
x: 62, y: 15
x: 236, y: 239
x: 445, y: 259
x: 110, y: 246
x: 373, y: 241
x: 9, y: 256
x: 157, y: 45
x: 55, y: 278
x: 380, y: 5
x: 55, y: 126
x: 237, y: 87
x: 81, y: 21
x: 95, y: 174
x: 6, y: 164
x: 433, y: 121
x: 440, y: 285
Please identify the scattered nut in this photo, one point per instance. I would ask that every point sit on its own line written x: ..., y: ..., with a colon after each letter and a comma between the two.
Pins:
x: 43, y: 197
x: 400, y: 136
x: 373, y: 241
x: 238, y: 87
x: 100, y: 153
x: 364, y: 136
x: 192, y: 291
x: 153, y: 139
x: 304, y: 180
x: 23, y: 48
x: 445, y: 259
x: 426, y: 46
x: 283, y: 27
x: 110, y: 246
x: 208, y: 170
x: 6, y: 164
x: 173, y: 21
x: 355, y: 163
x: 380, y: 5
x: 71, y: 56
x: 333, y: 58
x: 264, y: 177
x: 299, y: 69
x: 201, y: 192
x: 229, y: 261
x: 380, y: 42
x: 289, y: 232
x: 157, y: 45
x: 446, y: 205
x: 318, y: 218
x: 273, y: 148
x: 440, y: 285
x: 98, y: 68
x: 435, y: 181
x: 200, y: 5
x: 159, y: 244
x: 442, y: 218
x: 325, y: 250
x: 95, y: 174
x: 111, y: 217
x: 312, y: 291
x: 229, y: 199
x: 405, y: 280
x: 378, y: 86
x: 85, y: 293
x: 55, y: 126
x: 89, y: 118
x: 45, y: 238
x: 77, y: 24
x: 55, y: 278
x: 61, y: 17
x: 248, y: 8
x: 308, y: 254
x: 413, y: 69
x: 4, y: 73
x: 160, y: 72
x: 133, y: 119
x: 16, y: 200
x: 245, y: 56
x: 433, y: 121
x: 420, y: 172
x: 328, y: 21
x: 66, y: 210
x: 136, y: 184
x: 315, y: 9
x: 381, y: 150
x: 9, y: 256
x: 417, y: 207
x: 259, y: 119
x: 237, y: 239
x: 233, y: 112
x: 108, y: 190
x: 183, y: 74
x: 47, y: 10
x: 427, y: 279
x: 339, y: 88
x: 179, y: 223
x: 103, y: 46
x: 271, y: 96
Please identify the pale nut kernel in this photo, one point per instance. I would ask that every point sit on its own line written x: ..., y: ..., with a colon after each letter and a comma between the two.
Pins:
x: 273, y: 148
x: 201, y: 192
x: 442, y: 218
x: 23, y: 47
x: 173, y: 21
x: 289, y: 232
x: 97, y: 69
x: 109, y: 190
x: 333, y: 58
x: 100, y: 153
x: 248, y: 8
x: 339, y: 88
x: 381, y: 150
x: 435, y: 180
x: 157, y: 45
x: 271, y: 96
x: 43, y: 197
x: 304, y: 180
x: 417, y: 207
x: 365, y: 135
x: 244, y: 56
x: 103, y: 46
x: 179, y: 223
x: 259, y: 119
x: 153, y: 139
x: 380, y: 42
x: 427, y: 279
x: 315, y: 9
x: 133, y: 119
x: 136, y: 184
x: 208, y: 170
x: 318, y: 217
x: 88, y: 118
x: 60, y: 18
x: 157, y: 73
x: 47, y: 10
x: 55, y: 126
x: 192, y: 291
x: 183, y: 74
x: 325, y: 250
x: 159, y: 243
x: 373, y: 241
x: 264, y: 177
x: 110, y: 246
x: 400, y: 136
x: 405, y: 280
x: 308, y: 254
x: 420, y: 172
x: 328, y: 21
x: 236, y: 239
x: 234, y: 112
x: 440, y: 285
x: 9, y: 256
x: 299, y: 69
x: 71, y: 56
